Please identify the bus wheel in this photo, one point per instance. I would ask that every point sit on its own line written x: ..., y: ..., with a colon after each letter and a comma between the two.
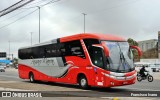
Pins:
x: 83, y: 82
x: 31, y: 78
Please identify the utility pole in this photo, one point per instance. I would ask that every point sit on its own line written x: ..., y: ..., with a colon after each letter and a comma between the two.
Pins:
x: 31, y: 38
x: 12, y: 57
x: 9, y: 48
x: 39, y: 23
x: 84, y: 21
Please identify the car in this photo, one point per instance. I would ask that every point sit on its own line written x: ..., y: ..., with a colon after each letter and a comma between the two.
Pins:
x: 155, y: 69
x: 2, y: 68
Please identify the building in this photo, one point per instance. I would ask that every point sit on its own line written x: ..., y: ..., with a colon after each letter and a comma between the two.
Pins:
x: 148, y: 44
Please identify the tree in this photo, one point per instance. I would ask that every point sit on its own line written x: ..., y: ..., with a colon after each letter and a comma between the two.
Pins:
x: 15, y: 60
x: 134, y: 43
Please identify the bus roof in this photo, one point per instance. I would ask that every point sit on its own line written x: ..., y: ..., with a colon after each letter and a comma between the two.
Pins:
x: 81, y: 36
x: 92, y: 35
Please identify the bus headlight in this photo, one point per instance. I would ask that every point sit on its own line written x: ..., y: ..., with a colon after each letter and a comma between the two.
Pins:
x: 114, y: 77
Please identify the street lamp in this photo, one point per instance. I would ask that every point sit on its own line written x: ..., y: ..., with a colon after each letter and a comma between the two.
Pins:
x: 84, y: 20
x: 9, y: 48
x: 39, y: 22
x: 31, y: 38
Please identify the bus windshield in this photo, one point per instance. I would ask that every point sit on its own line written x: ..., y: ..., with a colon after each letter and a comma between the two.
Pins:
x: 120, y: 56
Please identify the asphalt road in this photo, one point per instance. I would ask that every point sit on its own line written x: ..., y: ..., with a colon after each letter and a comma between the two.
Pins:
x: 10, y: 79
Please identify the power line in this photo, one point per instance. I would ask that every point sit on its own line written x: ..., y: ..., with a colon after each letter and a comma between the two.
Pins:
x: 13, y: 15
x: 22, y: 11
x: 18, y: 19
x: 14, y: 7
x: 52, y: 1
x: 35, y: 4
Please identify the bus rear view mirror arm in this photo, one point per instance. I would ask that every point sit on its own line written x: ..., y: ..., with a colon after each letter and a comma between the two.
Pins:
x: 106, y: 51
x: 138, y: 50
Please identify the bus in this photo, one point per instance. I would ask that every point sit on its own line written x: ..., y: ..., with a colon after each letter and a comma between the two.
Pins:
x: 99, y: 60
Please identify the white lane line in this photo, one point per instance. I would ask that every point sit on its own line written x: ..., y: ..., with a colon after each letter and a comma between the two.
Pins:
x: 10, y: 76
x: 129, y: 98
x: 139, y: 89
x: 13, y: 89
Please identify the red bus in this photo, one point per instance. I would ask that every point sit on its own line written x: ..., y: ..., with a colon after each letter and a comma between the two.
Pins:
x: 101, y: 60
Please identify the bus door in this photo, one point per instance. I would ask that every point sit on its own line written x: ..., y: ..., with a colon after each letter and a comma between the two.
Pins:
x: 97, y: 58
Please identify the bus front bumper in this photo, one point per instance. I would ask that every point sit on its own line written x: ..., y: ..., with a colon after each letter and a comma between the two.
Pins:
x: 112, y: 80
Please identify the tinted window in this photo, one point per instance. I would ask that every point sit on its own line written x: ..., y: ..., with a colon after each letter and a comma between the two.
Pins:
x: 72, y: 48
x: 95, y: 53
x: 25, y: 53
x: 51, y: 50
x: 96, y: 56
x: 89, y: 42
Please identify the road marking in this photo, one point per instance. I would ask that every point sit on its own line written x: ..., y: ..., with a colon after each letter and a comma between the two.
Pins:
x: 130, y: 98
x: 8, y: 81
x: 13, y: 89
x: 10, y: 76
x: 140, y: 89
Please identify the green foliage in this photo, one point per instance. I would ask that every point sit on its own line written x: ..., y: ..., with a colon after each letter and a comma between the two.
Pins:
x: 132, y: 42
x: 15, y: 60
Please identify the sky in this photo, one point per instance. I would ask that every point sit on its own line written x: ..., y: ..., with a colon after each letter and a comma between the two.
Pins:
x: 137, y: 19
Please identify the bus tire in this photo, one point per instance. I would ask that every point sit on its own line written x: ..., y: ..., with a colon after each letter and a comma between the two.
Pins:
x: 31, y: 77
x: 83, y: 83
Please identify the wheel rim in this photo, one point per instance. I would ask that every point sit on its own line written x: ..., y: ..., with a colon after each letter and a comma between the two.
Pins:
x: 83, y: 82
x: 139, y: 78
x: 150, y: 78
x: 31, y: 78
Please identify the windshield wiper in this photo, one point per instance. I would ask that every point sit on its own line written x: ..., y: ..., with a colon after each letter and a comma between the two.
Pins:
x: 124, y: 61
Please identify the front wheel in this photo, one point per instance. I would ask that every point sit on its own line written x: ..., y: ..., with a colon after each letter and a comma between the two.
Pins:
x: 31, y: 78
x: 150, y: 78
x: 139, y: 78
x: 83, y: 82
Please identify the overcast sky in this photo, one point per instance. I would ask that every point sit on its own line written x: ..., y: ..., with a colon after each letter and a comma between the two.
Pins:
x: 137, y: 19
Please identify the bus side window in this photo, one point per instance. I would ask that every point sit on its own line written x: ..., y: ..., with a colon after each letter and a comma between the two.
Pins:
x: 97, y: 56
x: 76, y: 51
x: 35, y: 52
x: 52, y: 50
x: 73, y: 48
x: 45, y: 53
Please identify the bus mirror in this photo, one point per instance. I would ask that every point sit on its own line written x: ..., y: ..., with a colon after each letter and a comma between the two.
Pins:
x: 138, y: 50
x: 106, y: 51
